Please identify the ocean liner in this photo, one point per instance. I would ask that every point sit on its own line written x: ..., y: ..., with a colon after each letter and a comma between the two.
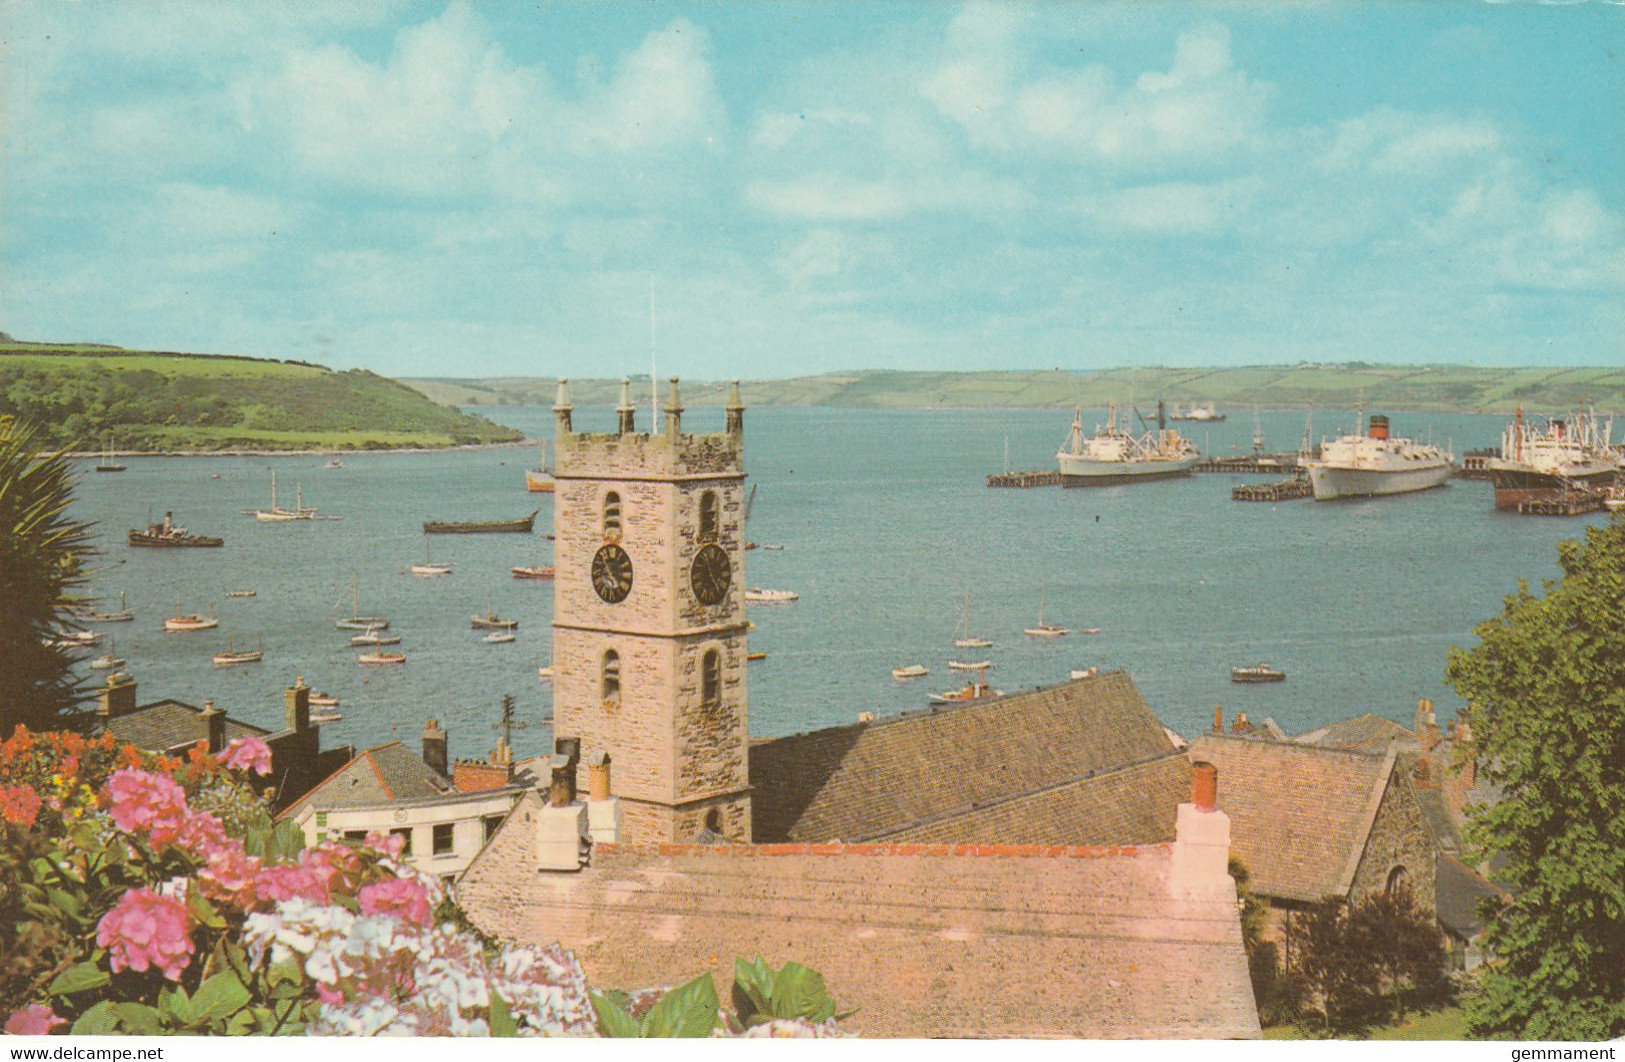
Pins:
x: 1542, y: 461
x: 1370, y: 463
x: 1113, y: 455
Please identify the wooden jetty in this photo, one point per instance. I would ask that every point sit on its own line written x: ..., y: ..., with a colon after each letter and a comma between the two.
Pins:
x: 1033, y: 477
x: 1282, y: 490
x: 1247, y: 464
x: 1562, y: 503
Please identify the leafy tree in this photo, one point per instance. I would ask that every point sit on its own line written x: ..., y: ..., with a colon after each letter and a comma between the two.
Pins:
x: 1362, y: 959
x: 42, y: 556
x: 1547, y: 688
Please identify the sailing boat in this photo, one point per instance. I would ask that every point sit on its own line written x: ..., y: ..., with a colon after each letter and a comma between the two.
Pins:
x: 193, y: 622
x: 276, y: 514
x: 231, y: 658
x: 107, y: 464
x: 375, y: 636
x: 124, y: 612
x: 429, y: 567
x: 1042, y: 629
x: 540, y: 480
x: 491, y: 621
x: 109, y: 660
x: 965, y: 639
x: 358, y: 622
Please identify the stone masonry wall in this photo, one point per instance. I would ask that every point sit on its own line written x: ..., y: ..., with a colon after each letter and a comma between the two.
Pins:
x: 1399, y: 837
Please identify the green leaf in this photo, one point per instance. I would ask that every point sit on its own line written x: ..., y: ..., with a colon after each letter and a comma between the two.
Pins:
x: 686, y: 1011
x: 286, y: 841
x: 218, y: 998
x: 203, y: 910
x: 175, y: 1002
x: 613, y: 1020
x: 138, y: 1018
x: 97, y: 1021
x: 501, y: 1018
x: 66, y: 901
x: 80, y: 978
x: 799, y: 992
x: 753, y: 988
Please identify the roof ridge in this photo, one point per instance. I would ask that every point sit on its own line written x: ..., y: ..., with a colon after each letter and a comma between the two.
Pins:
x: 389, y: 794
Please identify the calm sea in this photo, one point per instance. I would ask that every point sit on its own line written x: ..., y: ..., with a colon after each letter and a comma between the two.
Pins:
x: 886, y: 526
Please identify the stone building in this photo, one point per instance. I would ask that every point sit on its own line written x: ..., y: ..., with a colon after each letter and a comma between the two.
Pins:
x: 649, y: 615
x: 172, y: 727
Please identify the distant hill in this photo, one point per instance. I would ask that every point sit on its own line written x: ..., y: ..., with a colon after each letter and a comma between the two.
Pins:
x: 167, y: 401
x: 1418, y: 388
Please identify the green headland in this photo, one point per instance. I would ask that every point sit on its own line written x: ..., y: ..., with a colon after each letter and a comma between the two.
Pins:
x: 1416, y: 388
x: 166, y: 402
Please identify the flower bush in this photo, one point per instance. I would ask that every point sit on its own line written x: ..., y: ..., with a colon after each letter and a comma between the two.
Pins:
x: 150, y: 894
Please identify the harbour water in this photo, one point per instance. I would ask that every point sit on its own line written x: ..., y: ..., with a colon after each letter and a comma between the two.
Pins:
x: 886, y: 524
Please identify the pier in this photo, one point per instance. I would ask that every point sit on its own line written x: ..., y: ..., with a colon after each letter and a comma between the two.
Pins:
x: 1032, y: 477
x: 1562, y: 503
x: 1282, y: 490
x: 1248, y: 464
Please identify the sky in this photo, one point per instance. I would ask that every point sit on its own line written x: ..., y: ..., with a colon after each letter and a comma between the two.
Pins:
x: 757, y: 190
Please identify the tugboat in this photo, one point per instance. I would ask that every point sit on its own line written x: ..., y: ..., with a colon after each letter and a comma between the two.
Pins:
x: 168, y: 535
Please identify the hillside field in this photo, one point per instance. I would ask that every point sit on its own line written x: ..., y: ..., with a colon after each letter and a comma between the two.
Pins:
x: 162, y: 401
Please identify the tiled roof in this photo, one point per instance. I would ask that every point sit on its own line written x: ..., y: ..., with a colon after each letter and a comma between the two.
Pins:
x: 384, y: 774
x: 164, y: 725
x: 867, y: 780
x: 1131, y: 805
x: 927, y: 941
x: 1458, y: 890
x: 1370, y: 732
x: 1299, y: 814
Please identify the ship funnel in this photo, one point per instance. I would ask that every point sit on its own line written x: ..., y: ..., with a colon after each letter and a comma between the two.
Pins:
x: 1379, y: 426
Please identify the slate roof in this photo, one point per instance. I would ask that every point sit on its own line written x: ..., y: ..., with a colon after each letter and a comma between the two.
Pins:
x: 868, y: 780
x: 1458, y: 890
x: 926, y: 940
x: 383, y: 774
x: 1370, y: 732
x: 1130, y: 806
x: 165, y: 725
x: 1300, y: 815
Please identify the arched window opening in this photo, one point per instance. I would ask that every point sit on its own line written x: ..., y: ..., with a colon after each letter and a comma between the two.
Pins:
x: 708, y: 516
x: 611, y: 682
x: 1397, y: 882
x: 711, y: 679
x: 612, y: 516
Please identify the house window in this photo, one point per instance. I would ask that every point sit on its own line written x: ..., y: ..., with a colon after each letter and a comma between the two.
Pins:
x: 711, y: 679
x: 612, y: 516
x: 321, y: 820
x: 355, y: 836
x: 492, y: 824
x: 443, y: 840
x: 611, y: 685
x: 406, y: 835
x: 708, y: 516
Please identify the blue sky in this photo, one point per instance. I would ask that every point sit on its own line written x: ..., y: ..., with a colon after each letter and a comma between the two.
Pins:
x: 495, y: 189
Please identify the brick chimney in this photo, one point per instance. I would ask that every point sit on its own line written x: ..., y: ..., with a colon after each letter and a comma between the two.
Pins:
x: 1200, y: 869
x: 117, y: 698
x: 1218, y: 718
x: 214, y: 726
x: 435, y: 746
x: 1466, y: 755
x: 1427, y: 727
x: 1241, y: 725
x: 563, y: 834
x: 603, y: 810
x: 296, y: 706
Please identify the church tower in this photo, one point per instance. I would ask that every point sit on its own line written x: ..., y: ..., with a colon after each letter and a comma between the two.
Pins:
x: 649, y: 616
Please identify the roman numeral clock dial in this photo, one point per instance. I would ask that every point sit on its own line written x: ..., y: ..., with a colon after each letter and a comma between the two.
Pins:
x: 612, y: 573
x: 710, y: 574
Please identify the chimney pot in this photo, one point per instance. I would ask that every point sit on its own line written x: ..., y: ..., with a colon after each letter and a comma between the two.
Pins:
x: 1204, y: 786
x: 1218, y: 718
x: 562, y: 791
x: 1241, y: 725
x: 598, y: 776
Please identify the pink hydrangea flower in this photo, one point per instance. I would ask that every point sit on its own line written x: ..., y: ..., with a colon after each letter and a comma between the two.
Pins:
x: 249, y: 754
x: 19, y: 804
x: 36, y: 1019
x: 231, y: 877
x: 288, y: 881
x: 391, y: 844
x: 146, y: 930
x: 204, y: 835
x: 148, y: 803
x: 400, y: 898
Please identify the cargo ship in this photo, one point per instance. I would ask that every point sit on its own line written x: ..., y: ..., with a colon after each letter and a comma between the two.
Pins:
x: 1114, y: 455
x: 1371, y: 464
x: 1544, y: 461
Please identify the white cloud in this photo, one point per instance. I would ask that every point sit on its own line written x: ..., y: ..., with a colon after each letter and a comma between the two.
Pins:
x: 1179, y: 207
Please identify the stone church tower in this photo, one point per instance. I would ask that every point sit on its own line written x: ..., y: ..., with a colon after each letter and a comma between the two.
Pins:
x: 649, y: 616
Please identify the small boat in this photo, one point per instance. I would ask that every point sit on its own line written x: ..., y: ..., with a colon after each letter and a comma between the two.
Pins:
x: 532, y: 572
x: 241, y: 593
x: 375, y: 636
x: 1042, y: 629
x: 75, y: 639
x: 974, y: 690
x: 108, y: 660
x: 167, y: 535
x: 540, y: 480
x: 545, y: 672
x: 231, y: 658
x: 972, y: 665
x: 522, y: 526
x: 358, y: 622
x: 318, y: 718
x: 334, y: 463
x: 431, y: 569
x: 1257, y: 673
x: 193, y: 622
x: 911, y: 671
x: 499, y: 637
x: 380, y: 659
x: 1085, y: 673
x: 277, y: 514
x: 323, y: 700
x: 491, y: 621
x: 120, y: 615
x: 771, y: 597
x: 1089, y: 630
x: 963, y: 638
x: 756, y: 656
x: 107, y: 464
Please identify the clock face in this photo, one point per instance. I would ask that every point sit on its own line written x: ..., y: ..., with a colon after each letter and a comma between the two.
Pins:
x: 710, y: 574
x: 612, y: 573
